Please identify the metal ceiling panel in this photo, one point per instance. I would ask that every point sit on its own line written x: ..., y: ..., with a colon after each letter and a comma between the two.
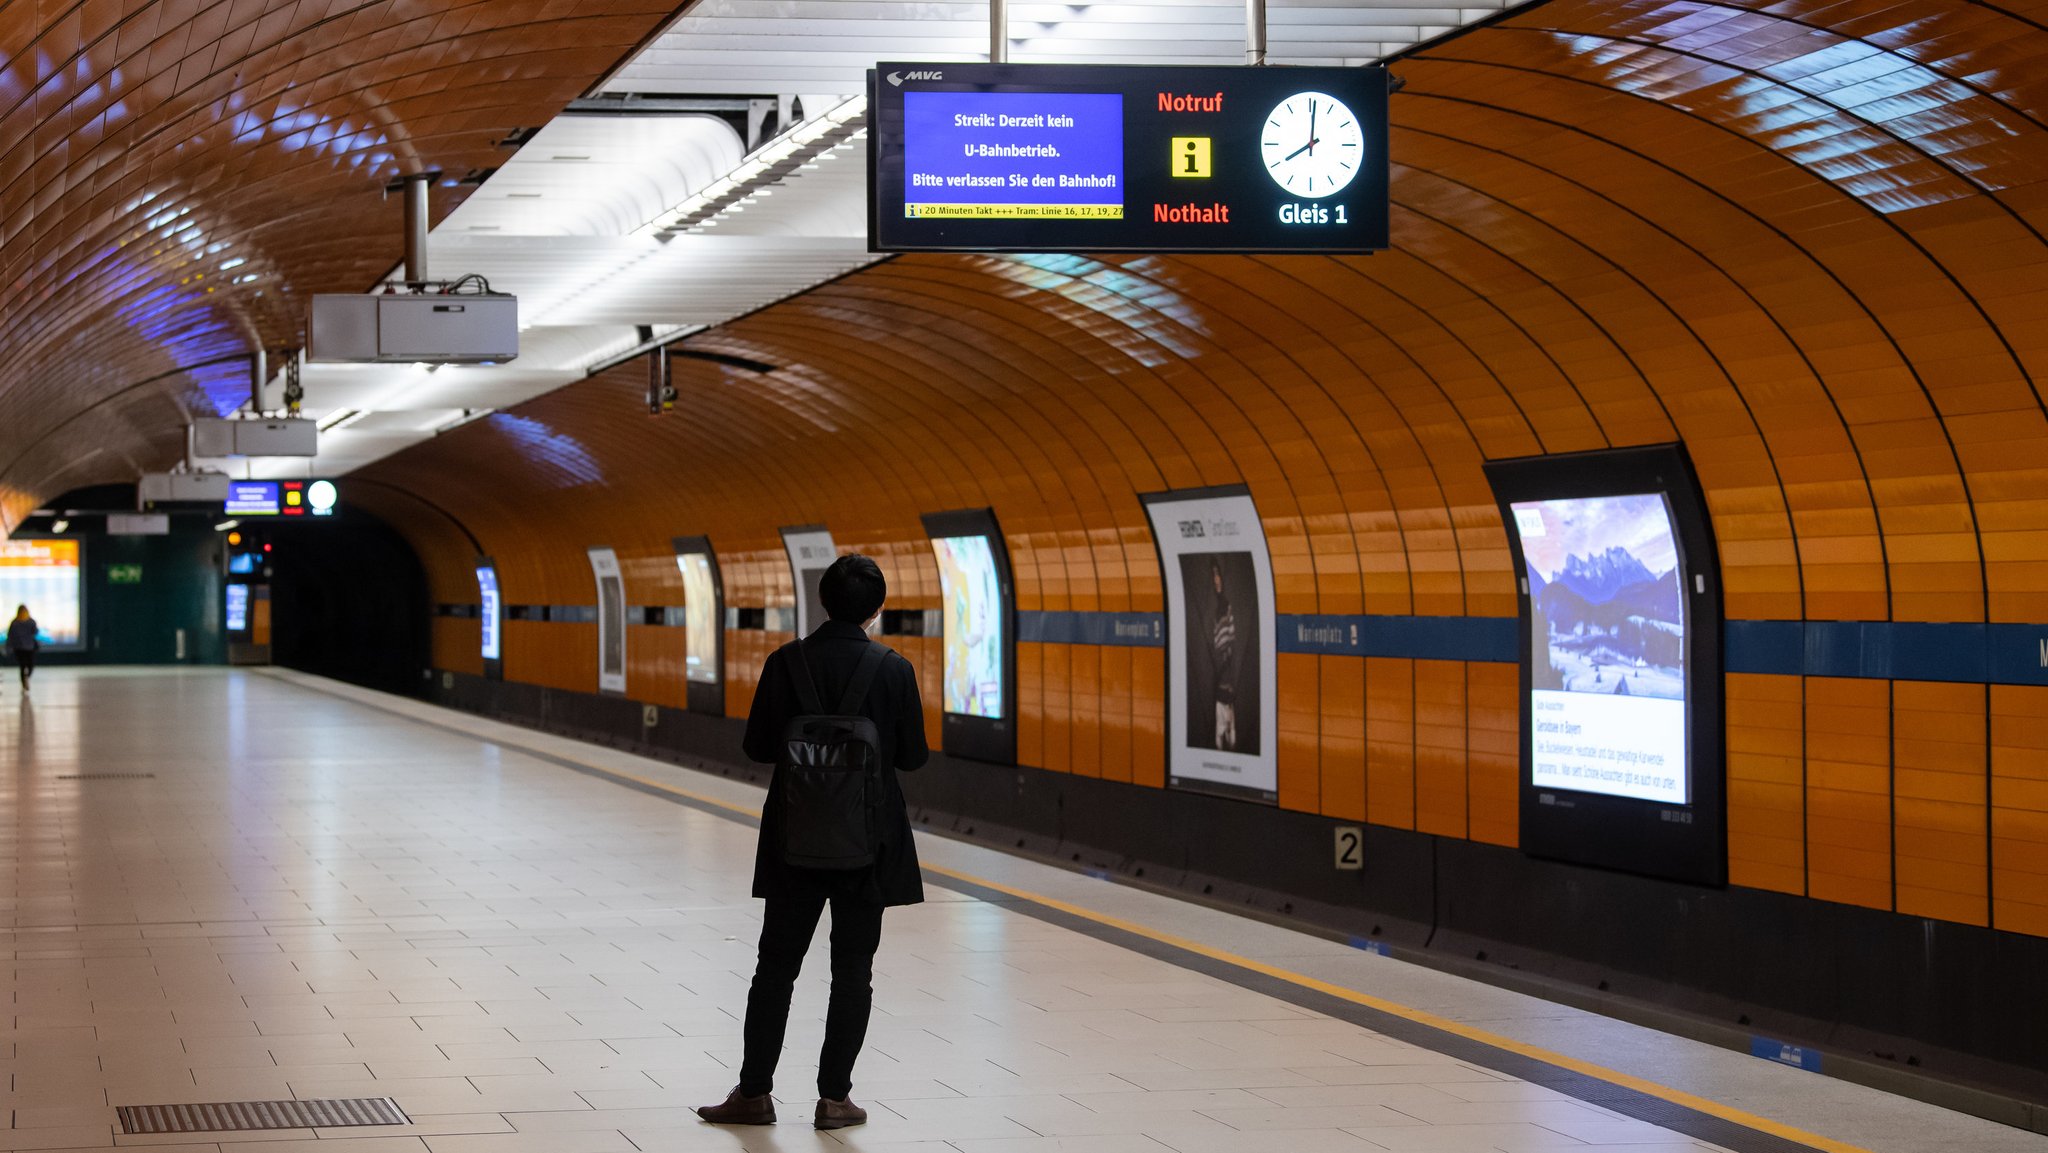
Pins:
x: 808, y: 46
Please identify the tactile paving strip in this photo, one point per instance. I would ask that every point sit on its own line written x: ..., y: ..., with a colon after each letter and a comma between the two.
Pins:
x: 106, y: 776
x: 223, y: 1116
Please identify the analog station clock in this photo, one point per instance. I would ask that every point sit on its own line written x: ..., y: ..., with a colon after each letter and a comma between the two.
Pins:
x: 1312, y: 145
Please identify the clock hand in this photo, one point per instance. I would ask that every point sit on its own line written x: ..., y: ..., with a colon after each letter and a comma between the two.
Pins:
x: 1311, y: 128
x: 1304, y: 148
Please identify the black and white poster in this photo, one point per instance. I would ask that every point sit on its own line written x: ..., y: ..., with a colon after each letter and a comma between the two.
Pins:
x: 1219, y: 642
x: 811, y: 552
x: 611, y: 621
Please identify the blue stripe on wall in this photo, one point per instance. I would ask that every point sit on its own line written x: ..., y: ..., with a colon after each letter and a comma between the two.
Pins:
x: 1428, y: 638
x: 1417, y: 638
x: 1132, y: 630
x: 1886, y: 650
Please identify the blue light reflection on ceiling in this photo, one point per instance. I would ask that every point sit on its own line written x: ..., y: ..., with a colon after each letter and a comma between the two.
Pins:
x: 1873, y: 121
x: 558, y: 457
x: 178, y: 319
x: 1149, y: 322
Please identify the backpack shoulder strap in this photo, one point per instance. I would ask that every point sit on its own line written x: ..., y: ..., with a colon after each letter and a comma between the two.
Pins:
x: 863, y: 679
x: 806, y: 687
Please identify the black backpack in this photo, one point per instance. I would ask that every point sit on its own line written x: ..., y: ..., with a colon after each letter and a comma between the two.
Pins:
x: 830, y: 774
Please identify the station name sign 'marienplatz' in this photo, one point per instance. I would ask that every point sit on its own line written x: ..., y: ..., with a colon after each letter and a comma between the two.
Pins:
x: 1103, y: 158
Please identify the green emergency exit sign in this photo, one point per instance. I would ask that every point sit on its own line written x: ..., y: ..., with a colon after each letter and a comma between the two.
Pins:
x: 124, y: 574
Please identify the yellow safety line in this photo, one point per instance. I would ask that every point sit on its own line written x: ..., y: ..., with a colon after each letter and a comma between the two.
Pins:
x: 1381, y: 1004
x: 1420, y: 1017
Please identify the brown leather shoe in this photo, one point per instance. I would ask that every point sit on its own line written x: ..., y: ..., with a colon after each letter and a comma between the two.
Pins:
x: 840, y: 1114
x: 740, y: 1109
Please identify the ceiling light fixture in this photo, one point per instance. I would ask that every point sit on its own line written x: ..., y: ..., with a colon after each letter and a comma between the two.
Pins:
x: 341, y: 418
x: 812, y: 140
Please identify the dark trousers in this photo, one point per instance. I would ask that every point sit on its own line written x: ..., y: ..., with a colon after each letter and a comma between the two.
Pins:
x: 26, y: 658
x: 786, y: 932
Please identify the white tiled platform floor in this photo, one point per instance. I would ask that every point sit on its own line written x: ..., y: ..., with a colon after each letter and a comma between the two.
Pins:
x: 314, y: 898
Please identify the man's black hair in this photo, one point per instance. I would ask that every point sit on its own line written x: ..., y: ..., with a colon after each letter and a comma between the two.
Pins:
x: 853, y: 589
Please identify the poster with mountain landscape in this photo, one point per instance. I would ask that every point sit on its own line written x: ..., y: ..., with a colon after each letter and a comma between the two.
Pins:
x: 1605, y: 599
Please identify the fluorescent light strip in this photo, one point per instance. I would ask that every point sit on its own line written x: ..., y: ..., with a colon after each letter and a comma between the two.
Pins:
x: 801, y: 145
x: 473, y: 414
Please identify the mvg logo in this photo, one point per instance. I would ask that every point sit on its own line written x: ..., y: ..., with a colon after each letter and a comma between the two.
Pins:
x: 1190, y: 529
x: 896, y: 79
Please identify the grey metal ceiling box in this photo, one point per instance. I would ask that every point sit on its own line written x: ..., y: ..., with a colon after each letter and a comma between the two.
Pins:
x: 342, y: 329
x: 464, y: 328
x: 200, y: 487
x: 278, y: 437
x: 138, y: 524
x: 213, y: 437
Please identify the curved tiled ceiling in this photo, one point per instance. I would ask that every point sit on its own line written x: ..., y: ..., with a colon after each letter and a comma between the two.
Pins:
x: 1805, y: 238
x: 177, y: 175
x: 1807, y: 243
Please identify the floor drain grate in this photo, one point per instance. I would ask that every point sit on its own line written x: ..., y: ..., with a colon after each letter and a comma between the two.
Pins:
x: 106, y: 776
x: 223, y: 1116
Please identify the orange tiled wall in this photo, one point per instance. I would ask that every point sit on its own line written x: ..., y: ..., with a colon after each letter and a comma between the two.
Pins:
x: 1598, y: 242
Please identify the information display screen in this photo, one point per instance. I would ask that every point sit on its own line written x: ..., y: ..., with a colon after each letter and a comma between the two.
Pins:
x: 1016, y: 156
x: 44, y: 575
x: 245, y: 563
x: 1607, y: 613
x: 238, y: 608
x: 973, y: 622
x: 1109, y: 158
x: 491, y: 612
x: 700, y: 619
x: 252, y: 498
x: 282, y: 498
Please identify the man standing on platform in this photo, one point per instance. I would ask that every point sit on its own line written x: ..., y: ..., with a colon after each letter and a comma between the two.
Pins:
x: 828, y: 837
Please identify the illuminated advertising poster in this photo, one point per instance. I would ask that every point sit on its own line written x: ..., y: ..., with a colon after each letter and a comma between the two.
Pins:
x: 978, y: 635
x: 973, y: 623
x: 700, y: 612
x: 703, y: 625
x: 1621, y: 703
x: 1607, y: 612
x: 1220, y: 641
x: 238, y: 608
x: 611, y: 620
x: 811, y: 552
x: 491, y: 612
x: 44, y: 575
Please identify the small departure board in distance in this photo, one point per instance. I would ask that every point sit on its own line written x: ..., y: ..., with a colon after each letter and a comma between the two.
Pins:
x: 1109, y: 158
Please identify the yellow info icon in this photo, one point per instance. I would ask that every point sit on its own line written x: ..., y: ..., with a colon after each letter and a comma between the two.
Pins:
x: 1191, y: 156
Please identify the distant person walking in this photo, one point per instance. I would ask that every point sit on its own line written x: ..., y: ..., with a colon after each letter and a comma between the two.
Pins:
x: 838, y: 715
x: 23, y: 641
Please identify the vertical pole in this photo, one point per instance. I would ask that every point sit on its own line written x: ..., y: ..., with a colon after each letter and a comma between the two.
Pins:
x: 1255, y: 32
x: 998, y: 31
x: 416, y: 222
x: 258, y: 373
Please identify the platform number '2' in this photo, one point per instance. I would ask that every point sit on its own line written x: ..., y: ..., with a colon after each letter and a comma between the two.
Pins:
x: 1350, y: 848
